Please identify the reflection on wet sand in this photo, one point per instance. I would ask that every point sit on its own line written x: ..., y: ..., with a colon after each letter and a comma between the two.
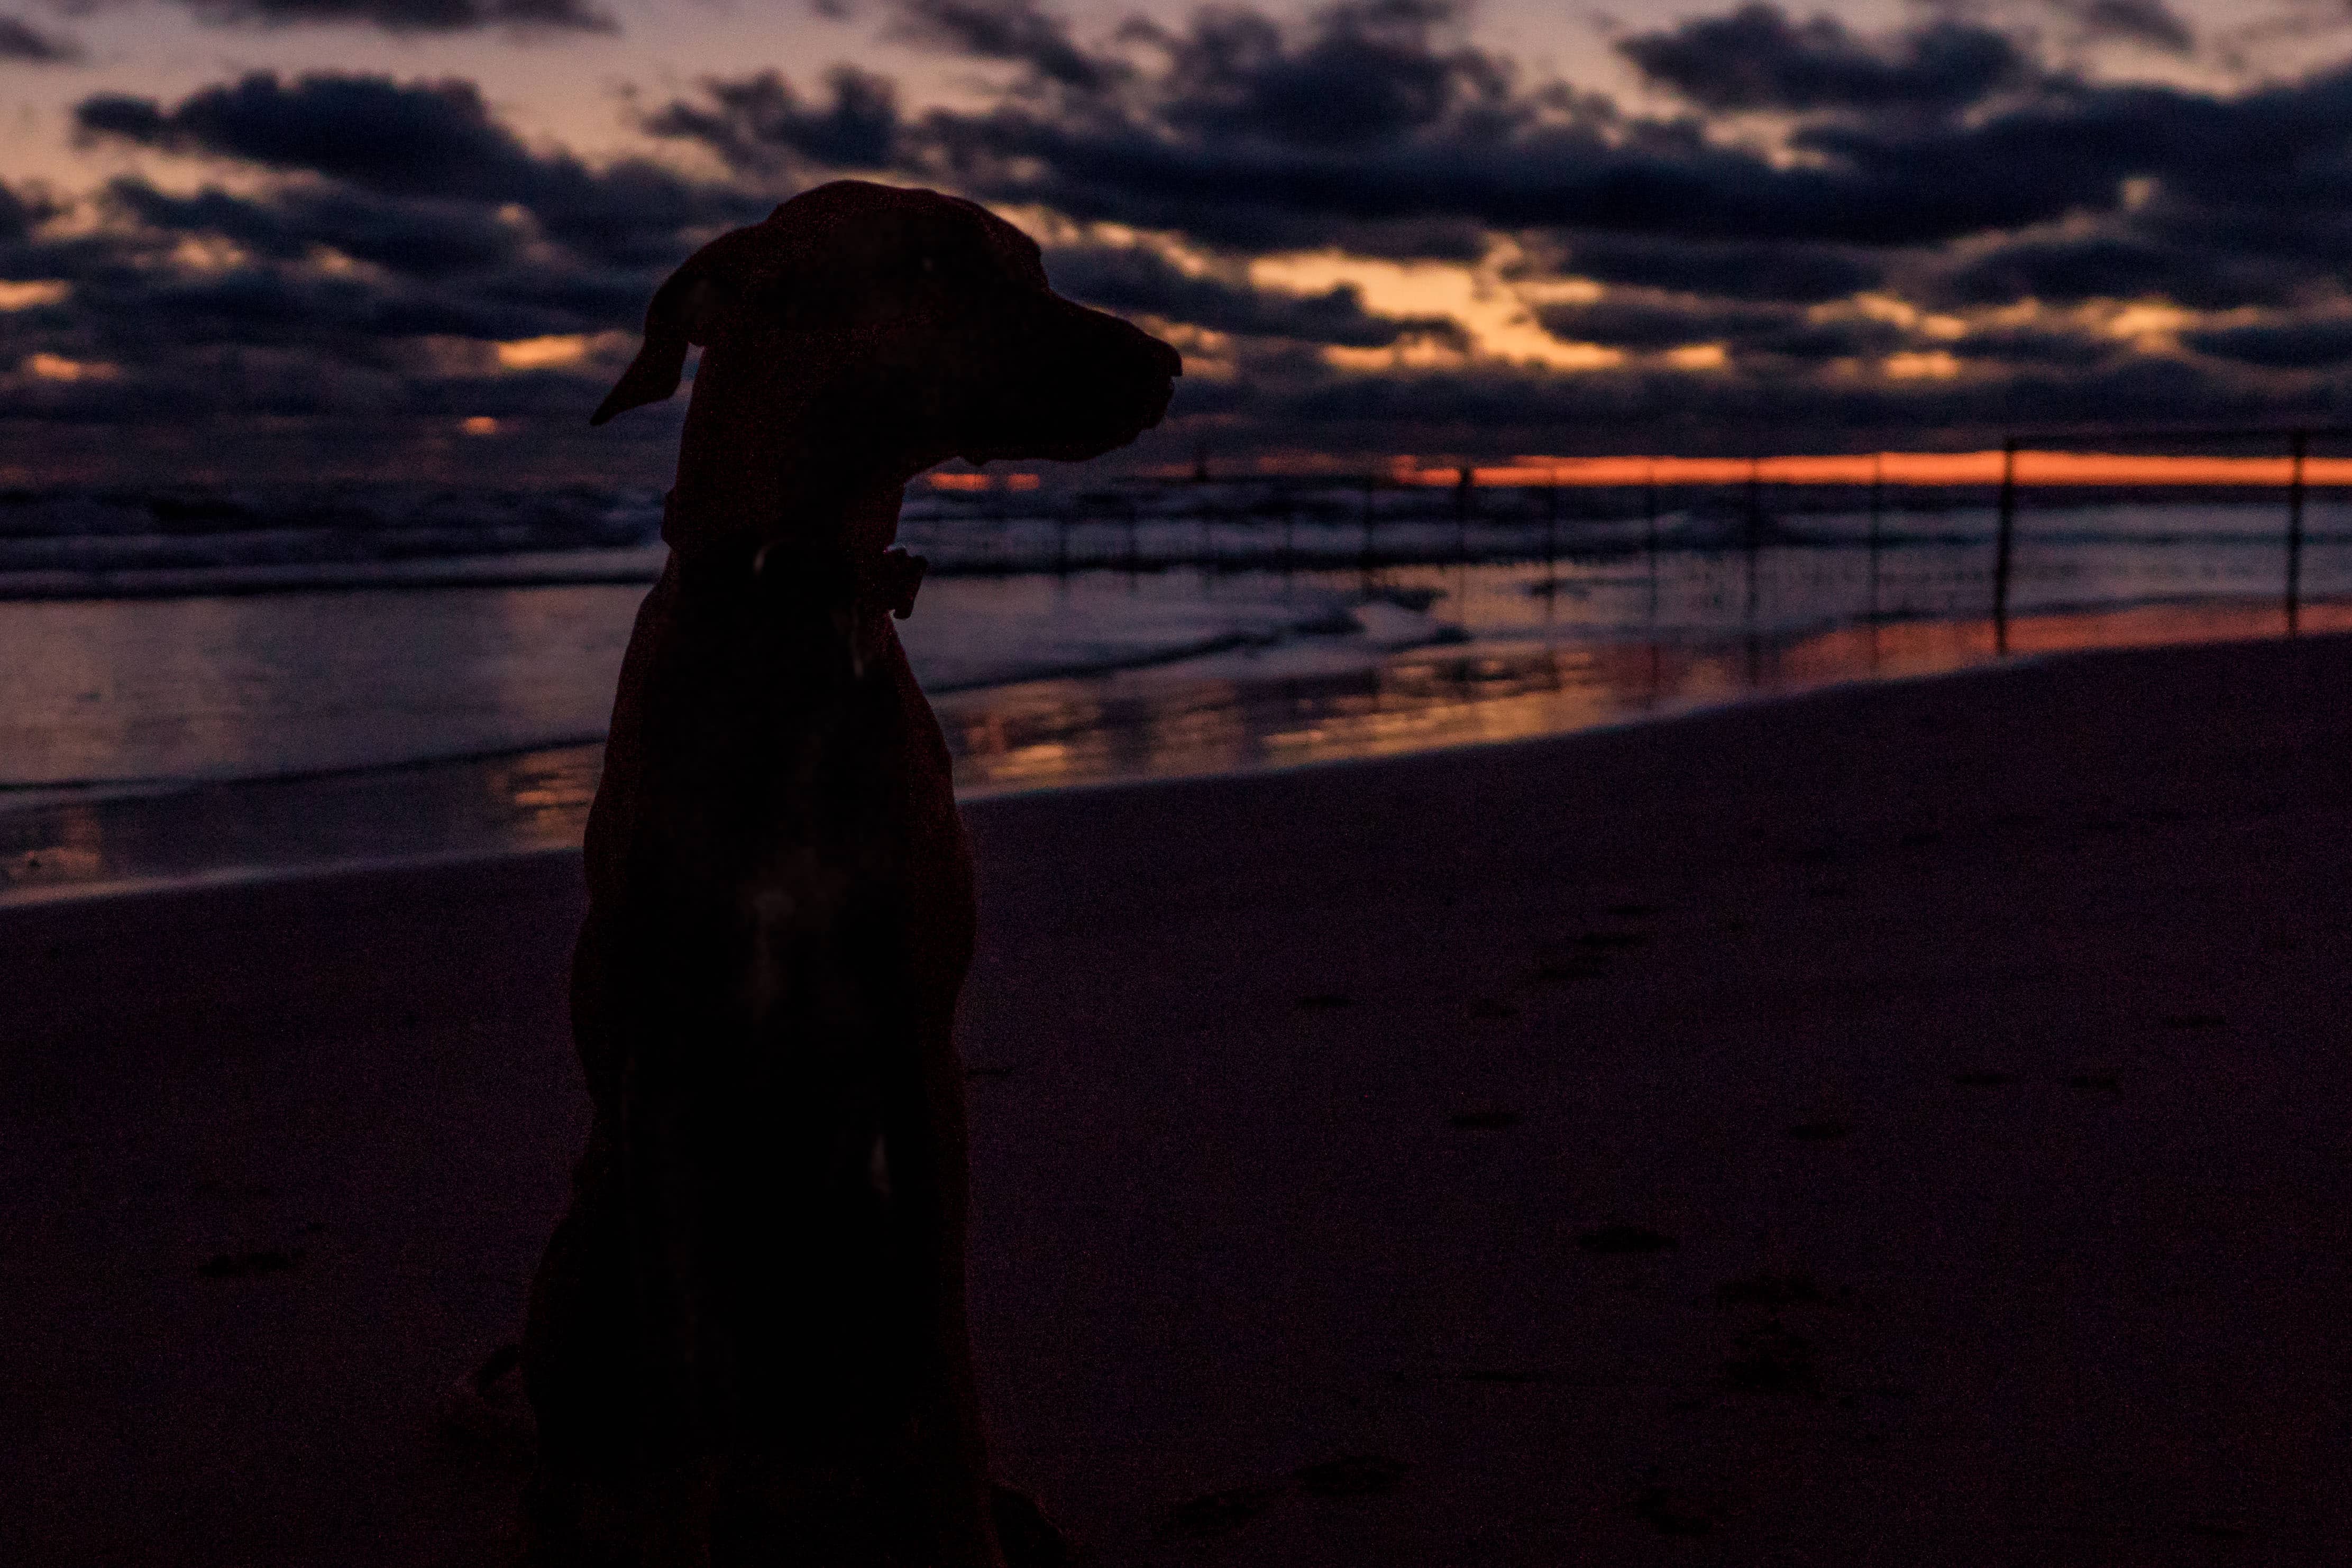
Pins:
x: 1158, y: 723
x: 1052, y: 734
x: 534, y: 801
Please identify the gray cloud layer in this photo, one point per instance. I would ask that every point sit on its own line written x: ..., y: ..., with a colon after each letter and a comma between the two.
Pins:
x: 412, y: 16
x: 25, y: 44
x: 1951, y: 163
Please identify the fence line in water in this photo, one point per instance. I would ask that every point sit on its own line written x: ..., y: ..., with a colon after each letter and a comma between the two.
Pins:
x: 1377, y: 521
x: 2296, y: 439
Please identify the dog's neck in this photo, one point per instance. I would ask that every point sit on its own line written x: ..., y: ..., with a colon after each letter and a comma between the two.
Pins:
x: 811, y: 511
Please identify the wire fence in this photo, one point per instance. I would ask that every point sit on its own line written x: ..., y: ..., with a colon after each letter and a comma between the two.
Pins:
x: 2167, y: 515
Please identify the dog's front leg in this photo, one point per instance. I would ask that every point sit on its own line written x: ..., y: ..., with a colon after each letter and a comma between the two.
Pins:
x: 925, y: 1144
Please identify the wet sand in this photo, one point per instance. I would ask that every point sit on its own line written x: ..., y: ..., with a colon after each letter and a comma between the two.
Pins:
x: 1899, y: 1124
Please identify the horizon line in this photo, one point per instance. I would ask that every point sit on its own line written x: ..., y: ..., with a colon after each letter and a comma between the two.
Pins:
x: 2034, y: 465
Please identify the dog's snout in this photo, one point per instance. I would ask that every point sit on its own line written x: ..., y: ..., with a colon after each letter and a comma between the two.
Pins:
x: 1143, y: 356
x: 1145, y: 364
x: 1087, y: 381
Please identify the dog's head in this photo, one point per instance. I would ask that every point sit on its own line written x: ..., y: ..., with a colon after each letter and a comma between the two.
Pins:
x: 863, y: 333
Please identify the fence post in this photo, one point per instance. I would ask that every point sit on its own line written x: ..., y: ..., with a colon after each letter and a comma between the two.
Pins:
x: 1551, y: 546
x: 2002, y: 546
x: 1754, y: 531
x: 1650, y: 541
x: 2294, y: 534
x: 1877, y: 507
x: 1462, y: 488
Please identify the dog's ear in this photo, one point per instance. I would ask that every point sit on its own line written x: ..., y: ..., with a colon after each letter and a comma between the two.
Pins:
x: 679, y: 317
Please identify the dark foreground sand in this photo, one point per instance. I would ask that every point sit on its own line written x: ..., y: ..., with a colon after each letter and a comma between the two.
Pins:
x: 1980, y: 1045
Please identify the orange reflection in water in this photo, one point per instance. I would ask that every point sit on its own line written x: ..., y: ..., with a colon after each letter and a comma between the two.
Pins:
x: 1052, y: 734
x: 544, y: 795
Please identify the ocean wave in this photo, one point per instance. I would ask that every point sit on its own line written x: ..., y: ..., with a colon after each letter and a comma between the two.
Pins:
x: 98, y: 543
x: 135, y: 697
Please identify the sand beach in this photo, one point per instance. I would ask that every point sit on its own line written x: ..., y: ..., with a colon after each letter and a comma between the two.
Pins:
x: 1902, y: 1124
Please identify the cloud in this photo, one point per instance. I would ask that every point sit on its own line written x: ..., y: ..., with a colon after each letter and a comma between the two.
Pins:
x: 2061, y: 345
x: 1649, y: 320
x: 2302, y: 344
x: 420, y: 237
x: 1014, y: 30
x: 2125, y: 262
x: 759, y: 124
x: 1136, y: 280
x: 367, y: 129
x: 1645, y: 407
x: 1737, y: 269
x: 2150, y: 24
x: 1377, y: 125
x: 396, y: 236
x: 18, y: 213
x: 1757, y: 58
x: 27, y: 44
x: 1644, y: 320
x: 366, y: 245
x: 1359, y: 75
x: 429, y: 140
x: 412, y: 15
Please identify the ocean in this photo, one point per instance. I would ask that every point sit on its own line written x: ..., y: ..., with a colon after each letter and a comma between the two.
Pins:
x: 206, y: 684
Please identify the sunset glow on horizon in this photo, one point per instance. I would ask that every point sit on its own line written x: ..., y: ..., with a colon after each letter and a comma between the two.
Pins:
x: 2035, y: 466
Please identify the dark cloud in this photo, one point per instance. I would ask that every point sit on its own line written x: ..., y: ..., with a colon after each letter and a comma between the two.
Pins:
x: 2208, y: 267
x: 18, y: 213
x: 463, y: 235
x: 2039, y: 346
x: 1377, y: 124
x: 1757, y: 57
x: 1949, y: 164
x: 1655, y: 321
x: 1228, y: 127
x: 1804, y: 274
x: 1014, y: 30
x: 2149, y: 22
x: 27, y: 44
x: 1134, y: 280
x: 1361, y: 75
x: 434, y: 140
x: 759, y: 124
x: 418, y: 237
x: 1499, y: 410
x: 412, y: 15
x: 1649, y: 320
x: 374, y: 133
x: 2066, y: 270
x: 2293, y: 345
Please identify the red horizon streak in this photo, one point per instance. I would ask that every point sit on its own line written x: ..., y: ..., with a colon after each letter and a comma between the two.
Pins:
x: 2034, y: 466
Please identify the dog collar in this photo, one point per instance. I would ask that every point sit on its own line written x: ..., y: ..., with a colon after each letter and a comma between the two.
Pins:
x: 886, y: 579
x: 896, y: 576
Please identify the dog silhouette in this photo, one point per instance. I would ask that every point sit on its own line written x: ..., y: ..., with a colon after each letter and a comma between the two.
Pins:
x: 746, y: 1342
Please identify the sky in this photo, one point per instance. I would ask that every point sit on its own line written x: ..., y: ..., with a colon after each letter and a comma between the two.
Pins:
x: 248, y: 239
